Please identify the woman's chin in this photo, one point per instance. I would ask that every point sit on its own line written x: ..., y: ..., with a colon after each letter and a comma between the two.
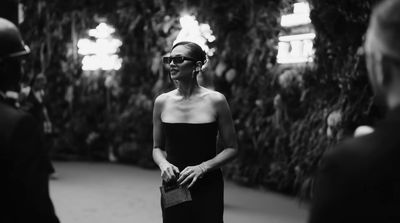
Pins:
x: 174, y: 75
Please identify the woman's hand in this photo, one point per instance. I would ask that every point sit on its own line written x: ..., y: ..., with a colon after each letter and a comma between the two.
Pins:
x: 168, y: 171
x: 191, y: 174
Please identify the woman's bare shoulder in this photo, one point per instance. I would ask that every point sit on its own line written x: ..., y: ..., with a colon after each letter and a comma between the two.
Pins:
x: 162, y: 98
x: 213, y: 95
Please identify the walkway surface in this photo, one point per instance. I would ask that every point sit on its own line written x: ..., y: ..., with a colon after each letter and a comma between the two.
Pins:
x: 114, y: 193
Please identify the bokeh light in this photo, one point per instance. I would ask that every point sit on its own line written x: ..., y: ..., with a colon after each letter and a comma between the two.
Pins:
x: 195, y: 32
x: 296, y: 46
x: 100, y: 53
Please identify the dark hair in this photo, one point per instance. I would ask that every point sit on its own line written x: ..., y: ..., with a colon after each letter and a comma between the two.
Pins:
x: 195, y: 51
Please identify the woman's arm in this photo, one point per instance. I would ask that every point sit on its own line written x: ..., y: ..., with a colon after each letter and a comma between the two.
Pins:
x: 168, y: 171
x: 227, y: 132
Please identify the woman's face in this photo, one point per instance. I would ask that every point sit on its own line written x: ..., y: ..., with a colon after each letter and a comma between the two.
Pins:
x: 181, y: 71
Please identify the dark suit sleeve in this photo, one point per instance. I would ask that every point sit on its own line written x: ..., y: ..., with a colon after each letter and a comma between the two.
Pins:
x: 28, y: 173
x: 26, y: 144
x: 334, y: 188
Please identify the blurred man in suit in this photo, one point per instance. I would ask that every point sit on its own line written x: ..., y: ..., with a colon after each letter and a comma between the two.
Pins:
x: 24, y: 195
x: 359, y: 179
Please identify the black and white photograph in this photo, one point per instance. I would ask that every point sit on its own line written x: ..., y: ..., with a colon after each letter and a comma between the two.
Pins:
x: 200, y: 111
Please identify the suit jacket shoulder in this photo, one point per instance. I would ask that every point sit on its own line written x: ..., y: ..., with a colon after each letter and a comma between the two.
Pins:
x: 24, y: 180
x: 358, y: 179
x: 13, y: 122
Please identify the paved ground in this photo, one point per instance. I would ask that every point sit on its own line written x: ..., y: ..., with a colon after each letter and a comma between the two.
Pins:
x: 113, y: 193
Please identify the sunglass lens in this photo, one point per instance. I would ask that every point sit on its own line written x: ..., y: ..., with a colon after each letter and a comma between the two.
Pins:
x: 166, y: 60
x: 177, y: 60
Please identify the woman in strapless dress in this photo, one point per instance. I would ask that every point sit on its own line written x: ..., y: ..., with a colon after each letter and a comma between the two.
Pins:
x: 186, y: 122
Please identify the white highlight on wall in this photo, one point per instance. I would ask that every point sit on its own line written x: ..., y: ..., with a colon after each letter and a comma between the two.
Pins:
x: 296, y: 48
x: 300, y: 16
x: 195, y: 32
x: 100, y: 53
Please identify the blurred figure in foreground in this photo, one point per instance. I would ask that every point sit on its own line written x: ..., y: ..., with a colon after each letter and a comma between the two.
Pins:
x: 359, y: 179
x: 24, y: 186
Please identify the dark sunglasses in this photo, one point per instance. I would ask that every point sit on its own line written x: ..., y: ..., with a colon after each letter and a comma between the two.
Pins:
x: 176, y: 59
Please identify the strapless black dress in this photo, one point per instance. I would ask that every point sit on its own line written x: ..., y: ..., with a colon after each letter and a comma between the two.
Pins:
x: 190, y: 144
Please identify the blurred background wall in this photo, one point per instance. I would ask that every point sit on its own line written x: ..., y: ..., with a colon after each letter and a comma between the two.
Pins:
x: 285, y: 115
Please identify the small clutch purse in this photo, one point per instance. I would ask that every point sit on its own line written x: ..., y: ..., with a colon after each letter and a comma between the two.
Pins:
x: 174, y: 194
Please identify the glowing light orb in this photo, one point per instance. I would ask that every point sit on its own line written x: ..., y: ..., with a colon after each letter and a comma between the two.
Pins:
x: 194, y: 32
x: 100, y: 53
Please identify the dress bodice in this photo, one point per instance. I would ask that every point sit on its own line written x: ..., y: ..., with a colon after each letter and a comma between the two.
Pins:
x: 190, y: 144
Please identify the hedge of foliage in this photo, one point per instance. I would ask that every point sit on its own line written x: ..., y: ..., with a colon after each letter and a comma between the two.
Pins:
x: 98, y: 112
x: 285, y: 116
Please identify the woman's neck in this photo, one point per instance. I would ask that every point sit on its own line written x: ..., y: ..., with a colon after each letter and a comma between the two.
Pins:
x: 187, y: 89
